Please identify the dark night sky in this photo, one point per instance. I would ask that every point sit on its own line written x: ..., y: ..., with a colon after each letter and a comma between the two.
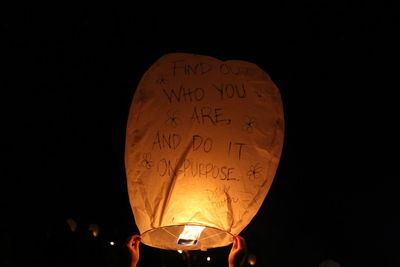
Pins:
x: 69, y: 75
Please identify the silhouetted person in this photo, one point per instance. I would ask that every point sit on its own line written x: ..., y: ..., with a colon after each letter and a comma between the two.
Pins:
x: 236, y: 257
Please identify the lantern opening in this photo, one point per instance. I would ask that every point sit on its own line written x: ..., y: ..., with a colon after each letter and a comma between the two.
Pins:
x: 168, y: 237
x: 190, y: 235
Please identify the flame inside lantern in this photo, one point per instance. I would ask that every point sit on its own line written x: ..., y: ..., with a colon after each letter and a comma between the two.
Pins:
x: 190, y: 235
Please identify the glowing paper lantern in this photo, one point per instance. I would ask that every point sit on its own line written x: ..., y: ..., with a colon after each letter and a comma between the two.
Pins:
x: 94, y: 229
x: 72, y: 224
x: 251, y: 259
x: 203, y: 143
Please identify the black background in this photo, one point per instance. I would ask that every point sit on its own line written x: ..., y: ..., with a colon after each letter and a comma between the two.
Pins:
x: 68, y: 77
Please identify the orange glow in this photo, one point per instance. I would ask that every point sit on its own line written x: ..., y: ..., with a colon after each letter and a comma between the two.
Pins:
x: 94, y: 229
x: 251, y: 259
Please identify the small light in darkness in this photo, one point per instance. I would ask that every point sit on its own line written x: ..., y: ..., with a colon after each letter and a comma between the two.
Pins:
x: 180, y: 251
x: 251, y: 259
x: 94, y: 229
x: 208, y: 258
x: 112, y: 243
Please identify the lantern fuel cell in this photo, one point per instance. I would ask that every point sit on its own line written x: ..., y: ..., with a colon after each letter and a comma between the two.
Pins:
x: 203, y: 143
x: 190, y: 235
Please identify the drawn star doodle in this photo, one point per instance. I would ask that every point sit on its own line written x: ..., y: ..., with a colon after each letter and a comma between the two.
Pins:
x: 261, y: 94
x: 147, y: 162
x: 254, y: 171
x: 161, y: 80
x: 249, y: 124
x: 173, y: 119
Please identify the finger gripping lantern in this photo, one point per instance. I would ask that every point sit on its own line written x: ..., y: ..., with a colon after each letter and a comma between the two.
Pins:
x: 203, y: 143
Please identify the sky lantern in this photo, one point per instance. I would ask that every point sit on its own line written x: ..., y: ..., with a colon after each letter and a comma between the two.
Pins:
x: 203, y: 143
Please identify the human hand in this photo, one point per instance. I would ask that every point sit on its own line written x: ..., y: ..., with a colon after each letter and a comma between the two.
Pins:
x: 133, y: 248
x: 238, y: 253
